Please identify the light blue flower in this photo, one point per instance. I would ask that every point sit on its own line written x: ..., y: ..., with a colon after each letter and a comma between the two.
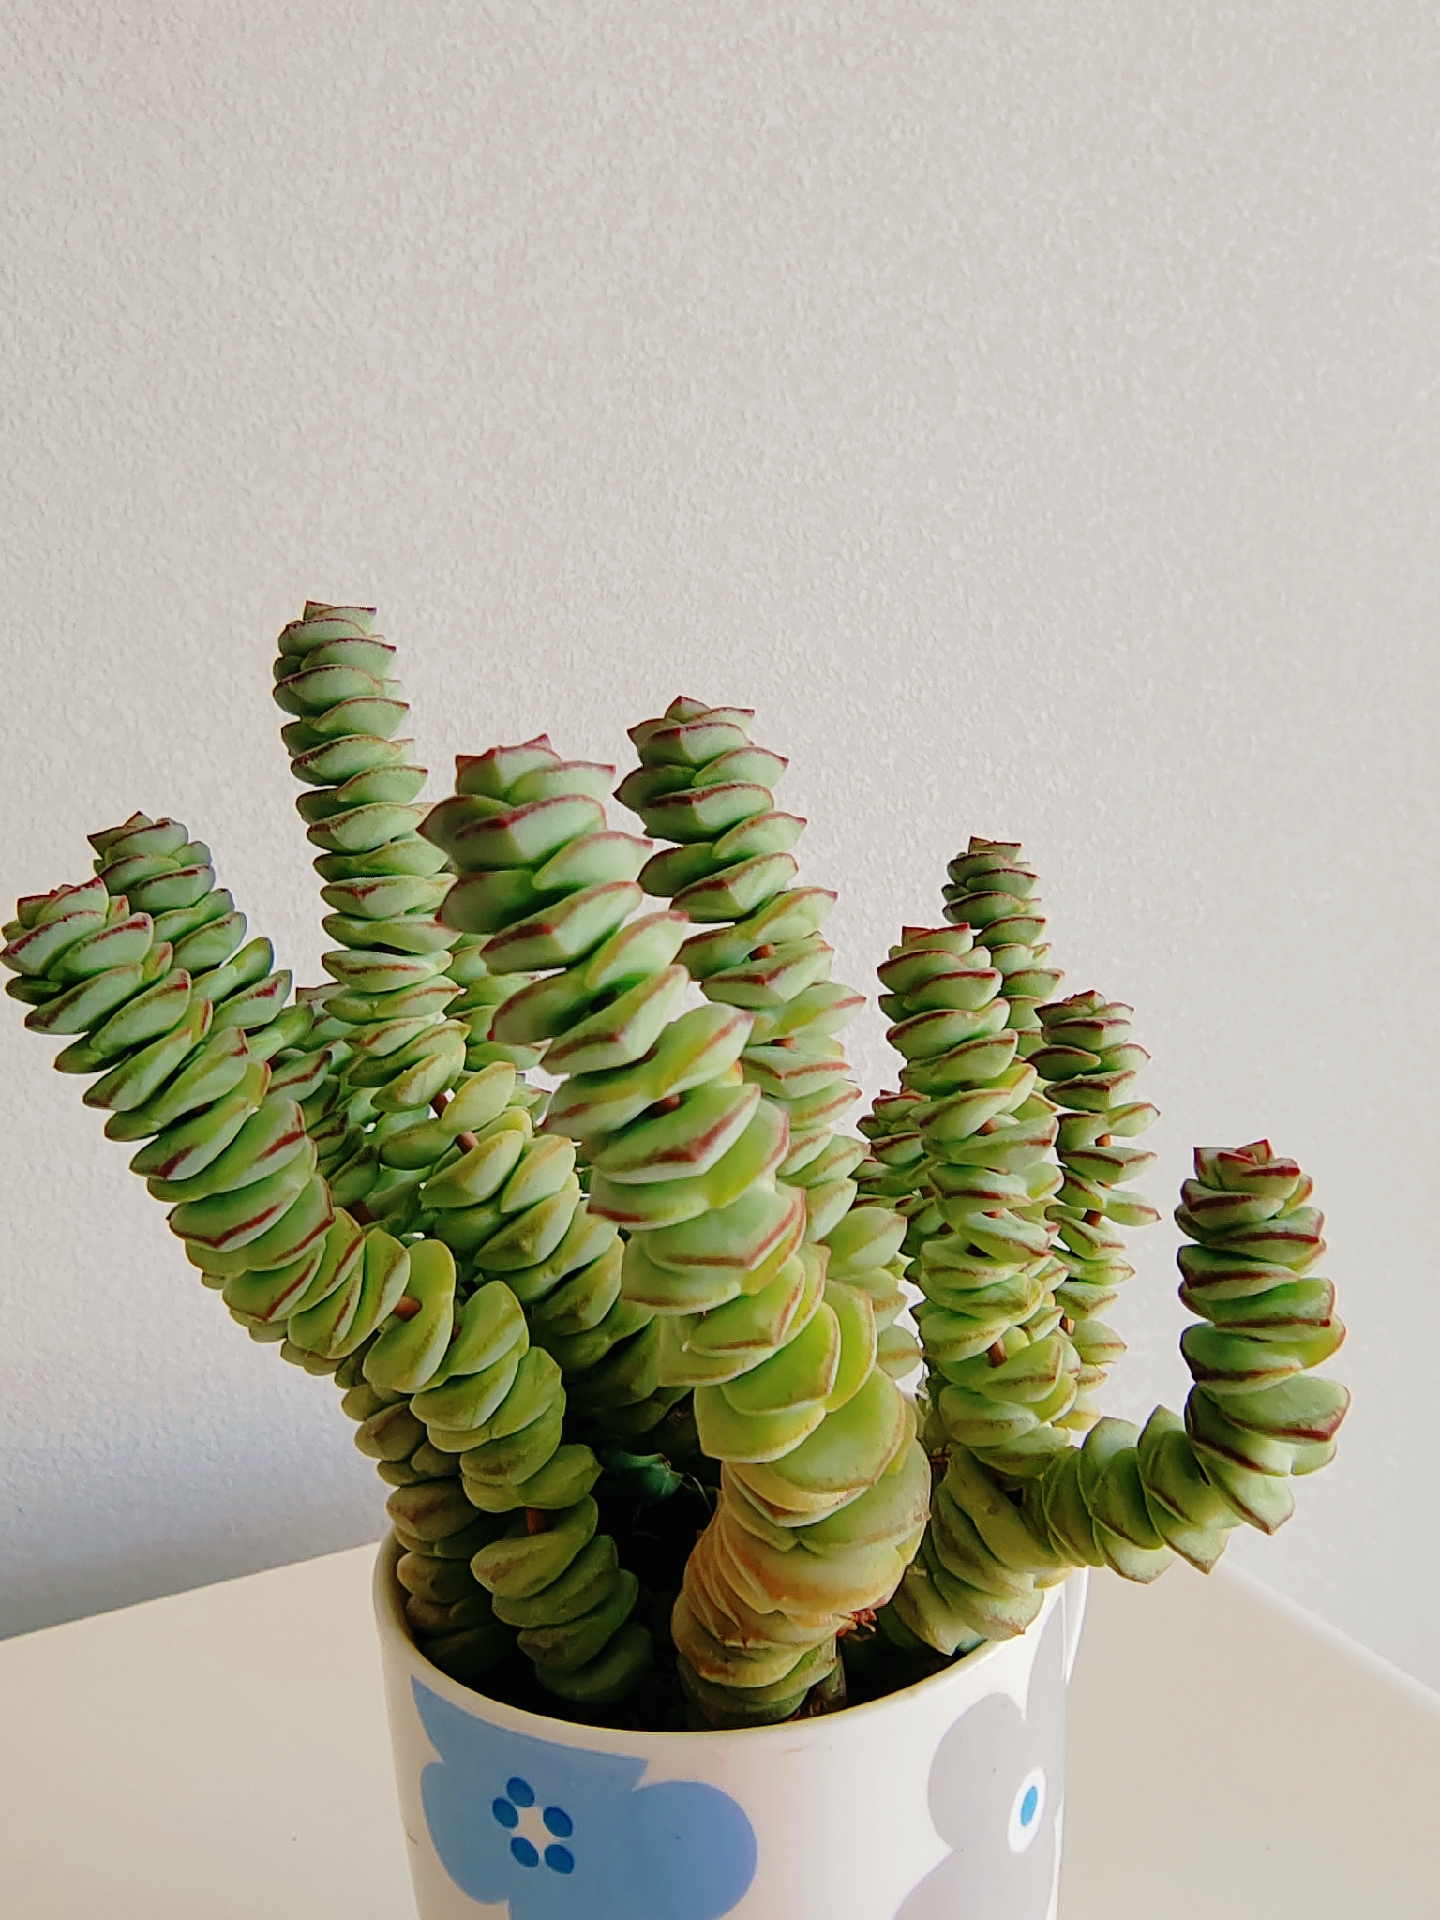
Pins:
x: 567, y: 1834
x: 996, y: 1788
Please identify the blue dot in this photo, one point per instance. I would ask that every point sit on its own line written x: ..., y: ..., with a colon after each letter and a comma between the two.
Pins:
x: 559, y: 1859
x: 559, y: 1823
x: 1028, y: 1805
x: 505, y: 1813
x: 525, y: 1853
x: 520, y: 1791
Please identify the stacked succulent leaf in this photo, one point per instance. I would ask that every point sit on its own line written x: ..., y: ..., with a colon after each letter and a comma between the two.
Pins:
x: 1088, y: 1065
x: 195, y: 1048
x: 1003, y: 1372
x: 1253, y: 1419
x: 551, y: 888
x: 383, y: 884
x: 992, y: 891
x: 775, y: 1289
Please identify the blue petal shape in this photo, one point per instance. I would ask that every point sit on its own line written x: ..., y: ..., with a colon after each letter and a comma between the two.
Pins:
x: 696, y: 1843
x: 678, y: 1850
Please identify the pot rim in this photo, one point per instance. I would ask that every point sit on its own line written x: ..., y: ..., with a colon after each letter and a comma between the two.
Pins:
x: 822, y: 1730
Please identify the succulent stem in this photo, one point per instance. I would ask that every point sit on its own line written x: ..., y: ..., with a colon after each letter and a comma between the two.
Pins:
x: 777, y: 1292
x: 547, y: 887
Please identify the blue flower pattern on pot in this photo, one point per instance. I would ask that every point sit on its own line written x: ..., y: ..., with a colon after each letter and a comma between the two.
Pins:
x: 565, y: 1833
x: 996, y: 1789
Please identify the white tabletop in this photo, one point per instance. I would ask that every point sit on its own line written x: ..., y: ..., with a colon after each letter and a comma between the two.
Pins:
x: 222, y: 1755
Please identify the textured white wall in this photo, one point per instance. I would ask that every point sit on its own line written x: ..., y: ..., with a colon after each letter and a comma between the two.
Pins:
x: 1030, y: 409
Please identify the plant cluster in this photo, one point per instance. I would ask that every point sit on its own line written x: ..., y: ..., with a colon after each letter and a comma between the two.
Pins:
x: 548, y: 1176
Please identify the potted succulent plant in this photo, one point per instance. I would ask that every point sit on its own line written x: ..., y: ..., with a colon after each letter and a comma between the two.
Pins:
x: 687, y: 1598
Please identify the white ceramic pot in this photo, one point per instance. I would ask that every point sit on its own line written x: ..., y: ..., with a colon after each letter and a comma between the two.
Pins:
x: 943, y: 1802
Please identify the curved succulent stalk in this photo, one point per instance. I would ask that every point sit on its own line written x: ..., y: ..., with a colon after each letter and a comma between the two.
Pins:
x: 190, y: 1066
x: 414, y: 1005
x: 457, y: 1391
x: 1254, y: 1417
x: 549, y: 888
x: 775, y: 1290
x: 214, y: 1072
x: 184, y: 1057
x: 1132, y: 1500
